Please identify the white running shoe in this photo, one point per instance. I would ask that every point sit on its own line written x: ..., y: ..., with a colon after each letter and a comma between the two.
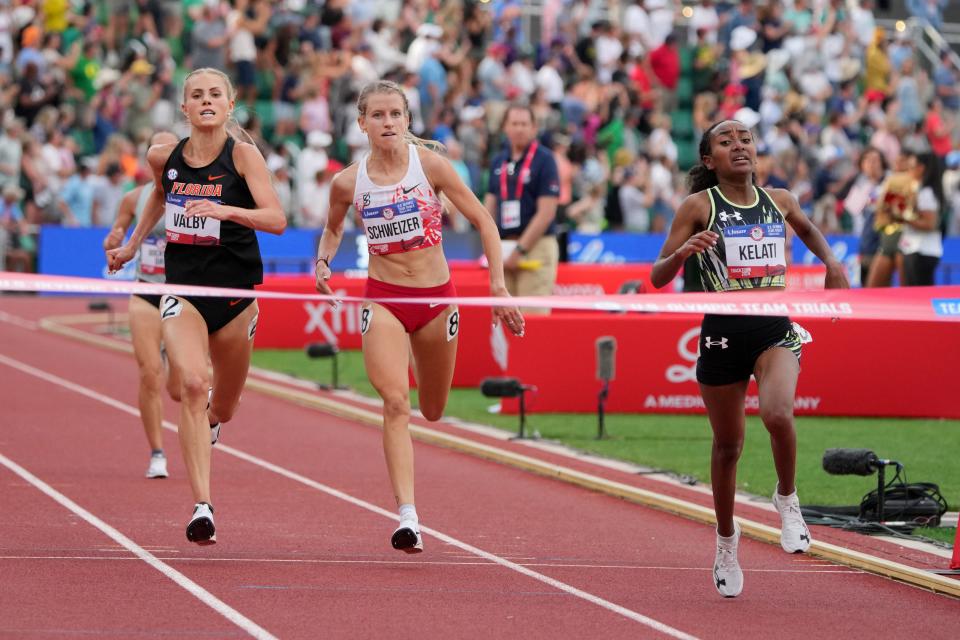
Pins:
x: 727, y: 575
x: 794, y: 534
x: 407, y: 537
x: 200, y: 529
x: 158, y: 467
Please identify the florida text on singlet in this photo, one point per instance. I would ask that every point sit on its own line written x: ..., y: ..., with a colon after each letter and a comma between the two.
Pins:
x: 405, y: 216
x: 750, y: 253
x: 150, y: 266
x: 205, y: 250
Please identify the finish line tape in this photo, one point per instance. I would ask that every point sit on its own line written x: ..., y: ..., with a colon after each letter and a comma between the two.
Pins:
x: 905, y: 303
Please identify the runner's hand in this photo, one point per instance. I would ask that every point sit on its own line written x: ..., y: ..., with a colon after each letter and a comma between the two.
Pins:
x: 836, y: 276
x: 323, y: 274
x: 511, y: 317
x: 203, y: 208
x: 113, y: 239
x: 698, y: 243
x: 120, y: 256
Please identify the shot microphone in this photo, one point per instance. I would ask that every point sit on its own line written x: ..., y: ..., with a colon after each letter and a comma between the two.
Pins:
x: 845, y: 462
x: 500, y: 387
x: 321, y: 350
x: 606, y: 358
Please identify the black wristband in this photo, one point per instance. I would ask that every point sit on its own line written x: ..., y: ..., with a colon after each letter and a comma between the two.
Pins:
x: 521, y: 250
x: 323, y: 260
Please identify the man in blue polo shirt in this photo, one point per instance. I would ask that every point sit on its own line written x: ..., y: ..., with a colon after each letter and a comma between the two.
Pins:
x: 522, y: 198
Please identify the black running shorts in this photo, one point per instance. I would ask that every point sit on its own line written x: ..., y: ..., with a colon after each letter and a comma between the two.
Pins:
x: 730, y: 345
x: 216, y: 312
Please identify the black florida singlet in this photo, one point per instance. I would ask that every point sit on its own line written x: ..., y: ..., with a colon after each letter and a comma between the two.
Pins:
x: 206, y: 251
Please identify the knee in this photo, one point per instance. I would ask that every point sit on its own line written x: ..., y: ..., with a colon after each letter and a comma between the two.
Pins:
x: 173, y: 390
x: 727, y: 452
x: 194, y: 388
x: 396, y: 404
x: 432, y: 411
x: 151, y: 379
x: 222, y: 413
x: 777, y: 420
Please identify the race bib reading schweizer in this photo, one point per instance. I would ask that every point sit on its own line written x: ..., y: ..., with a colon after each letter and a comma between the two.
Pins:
x: 192, y: 230
x: 755, y: 250
x: 151, y: 256
x: 399, y: 226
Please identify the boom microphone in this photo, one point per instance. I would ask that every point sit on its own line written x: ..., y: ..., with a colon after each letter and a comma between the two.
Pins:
x: 500, y: 387
x: 845, y: 462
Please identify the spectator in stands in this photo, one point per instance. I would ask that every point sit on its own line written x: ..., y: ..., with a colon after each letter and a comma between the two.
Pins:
x: 910, y: 108
x: 245, y: 21
x: 107, y: 194
x: 929, y: 11
x: 634, y: 202
x: 78, y: 193
x: 945, y: 83
x: 141, y: 95
x: 11, y: 151
x: 859, y: 195
x: 17, y: 246
x: 896, y: 201
x: 523, y: 186
x: 878, y: 64
x: 665, y: 64
x: 209, y: 37
x: 922, y: 241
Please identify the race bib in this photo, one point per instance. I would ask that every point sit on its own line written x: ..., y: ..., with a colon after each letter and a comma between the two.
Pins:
x: 755, y: 250
x: 510, y: 214
x: 192, y: 230
x: 151, y: 256
x: 397, y: 225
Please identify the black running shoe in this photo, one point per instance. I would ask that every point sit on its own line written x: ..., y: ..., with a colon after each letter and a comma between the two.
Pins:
x: 201, y: 529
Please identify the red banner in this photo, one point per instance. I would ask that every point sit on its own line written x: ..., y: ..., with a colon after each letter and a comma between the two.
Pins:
x: 852, y: 367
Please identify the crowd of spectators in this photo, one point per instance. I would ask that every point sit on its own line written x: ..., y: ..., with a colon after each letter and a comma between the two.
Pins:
x: 621, y: 91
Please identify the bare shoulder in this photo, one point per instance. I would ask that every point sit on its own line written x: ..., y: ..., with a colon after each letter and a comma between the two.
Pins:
x: 436, y: 167
x: 344, y: 183
x: 430, y: 159
x: 158, y: 154
x: 693, y: 214
x: 784, y: 200
x: 244, y: 153
x: 696, y: 205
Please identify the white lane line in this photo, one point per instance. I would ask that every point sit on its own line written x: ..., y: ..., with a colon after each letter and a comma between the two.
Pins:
x: 286, y: 473
x: 183, y: 581
x: 308, y: 561
x: 9, y: 318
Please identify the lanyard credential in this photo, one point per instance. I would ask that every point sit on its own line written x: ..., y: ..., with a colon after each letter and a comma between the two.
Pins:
x: 524, y: 172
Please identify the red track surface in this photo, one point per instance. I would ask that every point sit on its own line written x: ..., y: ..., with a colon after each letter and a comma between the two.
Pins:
x: 302, y: 563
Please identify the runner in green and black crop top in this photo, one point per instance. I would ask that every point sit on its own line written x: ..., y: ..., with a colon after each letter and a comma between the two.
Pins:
x: 734, y: 234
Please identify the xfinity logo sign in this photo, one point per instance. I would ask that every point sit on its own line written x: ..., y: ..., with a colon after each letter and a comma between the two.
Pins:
x: 331, y: 322
x: 708, y: 343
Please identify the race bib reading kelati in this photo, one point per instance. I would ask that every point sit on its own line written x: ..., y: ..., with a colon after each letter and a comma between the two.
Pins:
x: 397, y: 226
x: 755, y: 251
x: 192, y: 230
x: 151, y: 256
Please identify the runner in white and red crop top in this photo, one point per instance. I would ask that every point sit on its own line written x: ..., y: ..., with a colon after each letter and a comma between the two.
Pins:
x: 395, y: 190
